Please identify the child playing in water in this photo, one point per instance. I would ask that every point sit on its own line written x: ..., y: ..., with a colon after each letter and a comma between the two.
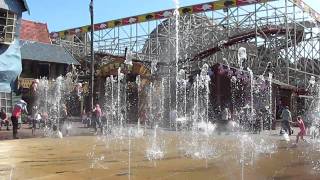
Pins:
x: 302, y: 128
x: 56, y: 132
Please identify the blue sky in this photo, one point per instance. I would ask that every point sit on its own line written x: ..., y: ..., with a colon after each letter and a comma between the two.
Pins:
x: 64, y: 14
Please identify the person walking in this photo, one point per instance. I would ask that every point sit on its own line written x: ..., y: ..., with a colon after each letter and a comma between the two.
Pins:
x: 18, y: 109
x: 286, y: 119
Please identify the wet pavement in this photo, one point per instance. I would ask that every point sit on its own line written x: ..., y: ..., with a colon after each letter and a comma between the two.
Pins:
x: 25, y: 132
x: 85, y: 156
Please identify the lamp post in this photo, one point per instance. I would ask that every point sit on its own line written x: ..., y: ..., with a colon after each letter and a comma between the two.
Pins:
x: 92, y: 56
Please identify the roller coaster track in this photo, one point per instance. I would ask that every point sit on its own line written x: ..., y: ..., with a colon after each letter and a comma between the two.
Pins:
x: 245, y: 37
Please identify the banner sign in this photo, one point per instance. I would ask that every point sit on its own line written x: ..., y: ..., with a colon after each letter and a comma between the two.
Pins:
x: 25, y: 82
x: 204, y: 7
x: 112, y: 68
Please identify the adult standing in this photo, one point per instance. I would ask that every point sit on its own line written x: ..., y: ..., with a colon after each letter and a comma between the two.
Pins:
x: 286, y: 119
x: 34, y: 96
x: 33, y: 103
x: 226, y: 115
x: 96, y: 117
x: 74, y: 103
x: 4, y: 119
x: 225, y: 118
x: 64, y: 120
x: 18, y: 109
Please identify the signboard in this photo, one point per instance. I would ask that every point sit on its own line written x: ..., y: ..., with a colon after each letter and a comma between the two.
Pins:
x: 204, y: 7
x: 112, y: 68
x: 25, y: 82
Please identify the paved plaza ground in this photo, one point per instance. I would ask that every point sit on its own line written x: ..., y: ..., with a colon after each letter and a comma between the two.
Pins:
x: 89, y: 157
x: 25, y: 132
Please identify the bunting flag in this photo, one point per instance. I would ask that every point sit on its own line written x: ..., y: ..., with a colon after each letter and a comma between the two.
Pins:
x: 204, y: 7
x: 248, y: 2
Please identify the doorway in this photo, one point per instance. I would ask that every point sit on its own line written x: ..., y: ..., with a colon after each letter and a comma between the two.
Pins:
x: 43, y: 70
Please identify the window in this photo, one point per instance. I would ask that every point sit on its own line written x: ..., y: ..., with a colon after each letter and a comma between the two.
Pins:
x: 5, y: 101
x: 27, y: 69
x: 7, y: 26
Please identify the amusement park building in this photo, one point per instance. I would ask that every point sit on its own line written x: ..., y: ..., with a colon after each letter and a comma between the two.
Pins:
x: 280, y: 37
x: 41, y: 58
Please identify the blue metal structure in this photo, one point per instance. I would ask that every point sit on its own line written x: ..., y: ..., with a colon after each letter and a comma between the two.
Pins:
x: 10, y: 55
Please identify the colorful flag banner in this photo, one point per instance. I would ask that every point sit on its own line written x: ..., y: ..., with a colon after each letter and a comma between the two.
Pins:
x: 204, y: 7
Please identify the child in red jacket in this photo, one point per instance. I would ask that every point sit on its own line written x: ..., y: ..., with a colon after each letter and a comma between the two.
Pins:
x: 18, y: 109
x: 302, y: 128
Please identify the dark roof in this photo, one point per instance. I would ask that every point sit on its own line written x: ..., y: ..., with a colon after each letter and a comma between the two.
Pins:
x: 16, y: 6
x: 37, y: 51
x: 34, y: 31
x: 26, y: 7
